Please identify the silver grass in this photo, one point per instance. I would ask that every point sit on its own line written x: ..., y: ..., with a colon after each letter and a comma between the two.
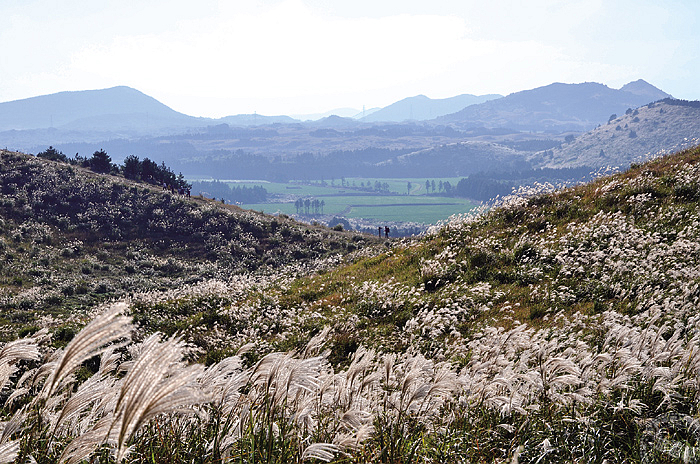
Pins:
x: 322, y: 451
x: 6, y: 371
x: 106, y: 329
x: 14, y: 425
x: 24, y: 349
x: 85, y: 444
x: 9, y: 451
x: 353, y: 440
x: 313, y: 347
x: 92, y: 391
x: 355, y: 420
x: 15, y: 395
x: 157, y: 383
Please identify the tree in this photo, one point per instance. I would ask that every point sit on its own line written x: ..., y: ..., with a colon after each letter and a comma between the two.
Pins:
x: 427, y: 186
x: 100, y: 162
x: 408, y: 187
x: 432, y: 185
x: 132, y: 167
x: 52, y: 154
x: 569, y: 138
x: 448, y: 187
x: 149, y: 170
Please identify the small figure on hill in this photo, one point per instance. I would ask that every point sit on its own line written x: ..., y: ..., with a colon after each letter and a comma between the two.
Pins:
x: 386, y: 231
x: 380, y: 231
x: 188, y: 192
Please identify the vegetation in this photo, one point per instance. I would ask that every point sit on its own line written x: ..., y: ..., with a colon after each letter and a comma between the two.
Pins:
x: 133, y: 168
x: 557, y: 327
x: 237, y: 195
x: 70, y: 239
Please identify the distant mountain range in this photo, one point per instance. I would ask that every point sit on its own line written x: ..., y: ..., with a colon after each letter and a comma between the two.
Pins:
x: 556, y: 107
x: 125, y: 111
x: 422, y: 108
x: 503, y: 133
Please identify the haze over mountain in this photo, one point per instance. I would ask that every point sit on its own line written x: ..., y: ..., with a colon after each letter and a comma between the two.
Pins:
x: 421, y: 108
x: 125, y: 122
x: 557, y: 107
x: 90, y: 109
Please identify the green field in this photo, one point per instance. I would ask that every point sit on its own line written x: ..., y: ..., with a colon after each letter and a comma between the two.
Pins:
x: 352, y: 202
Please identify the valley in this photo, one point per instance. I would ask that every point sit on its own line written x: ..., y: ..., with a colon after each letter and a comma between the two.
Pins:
x: 538, y: 289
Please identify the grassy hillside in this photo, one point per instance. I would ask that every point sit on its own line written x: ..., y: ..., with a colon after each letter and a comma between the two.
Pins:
x: 648, y: 131
x: 559, y: 327
x: 70, y: 238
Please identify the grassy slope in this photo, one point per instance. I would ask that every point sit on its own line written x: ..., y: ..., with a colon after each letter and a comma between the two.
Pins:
x: 70, y: 239
x: 582, y: 250
x: 568, y: 320
x: 651, y: 129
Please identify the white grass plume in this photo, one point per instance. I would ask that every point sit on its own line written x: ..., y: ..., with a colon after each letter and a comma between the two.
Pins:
x: 157, y: 383
x: 104, y: 331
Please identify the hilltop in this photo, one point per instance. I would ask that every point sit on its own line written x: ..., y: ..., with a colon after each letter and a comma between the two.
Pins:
x: 116, y: 108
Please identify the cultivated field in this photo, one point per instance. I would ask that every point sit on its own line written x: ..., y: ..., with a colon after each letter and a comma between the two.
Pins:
x: 347, y: 198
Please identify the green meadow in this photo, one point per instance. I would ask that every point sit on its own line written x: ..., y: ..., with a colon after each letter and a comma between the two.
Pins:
x: 347, y: 198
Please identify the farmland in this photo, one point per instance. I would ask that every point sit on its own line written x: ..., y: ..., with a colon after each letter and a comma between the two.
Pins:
x: 352, y: 198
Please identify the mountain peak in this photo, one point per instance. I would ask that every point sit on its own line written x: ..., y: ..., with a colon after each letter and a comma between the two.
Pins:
x: 642, y: 87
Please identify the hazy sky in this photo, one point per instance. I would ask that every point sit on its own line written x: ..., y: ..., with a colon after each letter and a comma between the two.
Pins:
x: 216, y: 58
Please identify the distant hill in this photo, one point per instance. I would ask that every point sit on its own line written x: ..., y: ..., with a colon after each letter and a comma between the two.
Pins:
x: 117, y: 107
x: 245, y: 120
x: 342, y: 112
x: 646, y: 132
x: 421, y: 108
x: 456, y: 159
x: 557, y: 107
x: 642, y: 87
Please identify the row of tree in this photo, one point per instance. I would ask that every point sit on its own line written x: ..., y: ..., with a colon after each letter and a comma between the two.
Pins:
x: 430, y: 185
x: 309, y: 206
x: 238, y: 194
x: 133, y: 168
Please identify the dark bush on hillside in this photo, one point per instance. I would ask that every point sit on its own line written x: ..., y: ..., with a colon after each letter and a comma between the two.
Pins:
x: 52, y: 154
x: 100, y: 162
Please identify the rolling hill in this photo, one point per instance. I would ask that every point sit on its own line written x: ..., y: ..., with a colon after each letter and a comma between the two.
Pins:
x: 637, y: 135
x: 119, y: 107
x: 560, y: 326
x: 70, y: 238
x: 456, y: 159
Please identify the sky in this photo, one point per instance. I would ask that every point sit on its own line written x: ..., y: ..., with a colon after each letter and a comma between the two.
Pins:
x: 215, y: 58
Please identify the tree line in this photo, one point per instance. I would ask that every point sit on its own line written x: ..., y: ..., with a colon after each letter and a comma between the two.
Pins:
x: 238, y: 194
x: 133, y: 168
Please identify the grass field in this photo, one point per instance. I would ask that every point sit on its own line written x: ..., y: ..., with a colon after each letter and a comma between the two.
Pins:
x: 350, y: 201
